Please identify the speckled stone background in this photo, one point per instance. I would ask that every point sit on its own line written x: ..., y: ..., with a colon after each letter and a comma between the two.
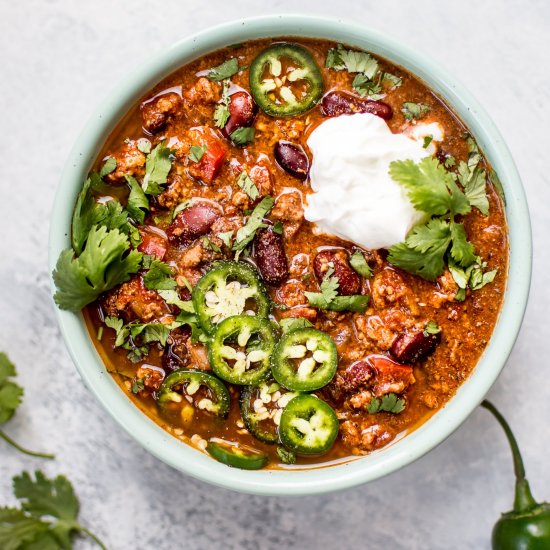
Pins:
x: 58, y: 58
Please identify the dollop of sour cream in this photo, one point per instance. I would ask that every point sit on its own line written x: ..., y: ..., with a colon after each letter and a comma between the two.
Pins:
x: 354, y: 196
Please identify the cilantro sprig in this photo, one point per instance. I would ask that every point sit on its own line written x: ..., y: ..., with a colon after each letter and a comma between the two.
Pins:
x: 225, y: 70
x: 221, y: 112
x: 390, y: 402
x: 328, y: 297
x: 157, y: 167
x: 414, y: 111
x: 47, y: 517
x: 442, y: 239
x: 255, y: 222
x: 247, y: 185
x: 11, y: 395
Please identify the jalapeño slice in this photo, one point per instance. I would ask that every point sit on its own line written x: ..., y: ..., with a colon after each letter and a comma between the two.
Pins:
x: 213, y: 397
x: 261, y: 409
x: 229, y: 288
x: 241, y: 348
x: 285, y: 80
x: 308, y: 425
x: 241, y: 456
x: 304, y: 360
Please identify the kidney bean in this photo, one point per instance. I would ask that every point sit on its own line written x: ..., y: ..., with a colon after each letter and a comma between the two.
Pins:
x: 350, y: 282
x: 358, y: 374
x: 292, y: 159
x: 175, y: 354
x: 269, y: 253
x: 412, y: 346
x: 344, y: 103
x: 242, y: 111
x: 191, y: 223
x: 159, y: 111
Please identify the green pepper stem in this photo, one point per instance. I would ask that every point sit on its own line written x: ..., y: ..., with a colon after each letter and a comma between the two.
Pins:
x: 11, y: 442
x: 95, y: 538
x: 523, y: 500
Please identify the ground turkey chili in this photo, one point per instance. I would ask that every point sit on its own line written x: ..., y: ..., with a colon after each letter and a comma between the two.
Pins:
x: 216, y: 295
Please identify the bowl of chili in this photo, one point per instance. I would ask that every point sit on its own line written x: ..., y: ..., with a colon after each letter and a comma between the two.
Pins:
x: 310, y: 479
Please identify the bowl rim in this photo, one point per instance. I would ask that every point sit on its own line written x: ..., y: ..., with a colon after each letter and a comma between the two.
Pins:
x: 324, y: 479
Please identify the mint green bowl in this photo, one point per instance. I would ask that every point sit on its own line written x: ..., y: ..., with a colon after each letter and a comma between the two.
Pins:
x: 441, y: 425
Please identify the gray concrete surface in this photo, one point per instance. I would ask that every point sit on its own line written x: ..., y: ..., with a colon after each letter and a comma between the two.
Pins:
x: 58, y: 58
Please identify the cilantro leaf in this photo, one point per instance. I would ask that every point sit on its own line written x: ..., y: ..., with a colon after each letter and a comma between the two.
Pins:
x: 462, y: 251
x: 138, y: 203
x: 394, y: 81
x: 48, y: 517
x: 387, y: 403
x: 144, y: 145
x: 431, y: 328
x: 157, y: 167
x: 225, y: 70
x: 328, y: 297
x: 288, y: 324
x: 108, y: 167
x: 367, y: 87
x: 103, y: 264
x: 286, y: 456
x: 84, y: 216
x: 17, y: 528
x: 196, y: 152
x: 474, y: 183
x: 209, y: 245
x: 221, y: 112
x: 159, y: 276
x: 11, y: 395
x: 413, y: 111
x: 173, y: 298
x: 137, y: 385
x: 423, y: 251
x: 430, y: 187
x: 246, y: 233
x: 247, y: 185
x: 478, y: 278
x: 352, y: 61
x: 360, y: 265
x: 10, y: 392
x: 226, y: 237
x: 242, y: 136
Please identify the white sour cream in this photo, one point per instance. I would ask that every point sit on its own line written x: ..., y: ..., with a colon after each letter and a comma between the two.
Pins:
x: 354, y: 196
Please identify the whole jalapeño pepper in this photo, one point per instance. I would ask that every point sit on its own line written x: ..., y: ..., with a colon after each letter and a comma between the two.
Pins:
x: 527, y: 525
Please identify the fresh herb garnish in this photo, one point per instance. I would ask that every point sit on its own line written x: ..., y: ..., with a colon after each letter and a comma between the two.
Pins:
x: 226, y: 237
x: 144, y: 145
x: 394, y: 81
x: 352, y: 61
x: 278, y: 228
x: 159, y: 277
x: 247, y: 185
x: 431, y: 328
x: 387, y: 403
x: 221, y: 112
x: 441, y: 240
x: 414, y: 111
x: 362, y: 63
x: 48, y: 517
x: 11, y: 395
x: 182, y: 206
x: 473, y: 178
x: 360, y: 265
x: 450, y: 161
x: 137, y: 385
x: 108, y: 167
x: 246, y: 233
x: 328, y: 297
x: 209, y: 245
x: 427, y: 141
x: 286, y: 456
x: 288, y: 324
x: 366, y: 87
x: 172, y: 297
x: 226, y: 70
x: 138, y: 203
x: 157, y: 167
x: 104, y: 263
x: 242, y: 136
x: 472, y: 277
x: 196, y: 152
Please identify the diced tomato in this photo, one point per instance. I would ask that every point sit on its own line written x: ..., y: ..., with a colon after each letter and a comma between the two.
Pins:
x: 391, y: 377
x: 153, y: 244
x: 213, y: 157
